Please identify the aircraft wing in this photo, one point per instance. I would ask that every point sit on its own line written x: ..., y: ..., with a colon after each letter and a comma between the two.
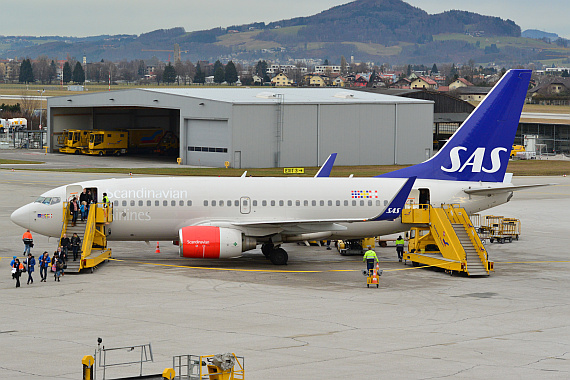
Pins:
x: 502, y: 189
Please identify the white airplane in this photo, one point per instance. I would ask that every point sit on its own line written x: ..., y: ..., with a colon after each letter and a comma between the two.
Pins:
x: 213, y: 217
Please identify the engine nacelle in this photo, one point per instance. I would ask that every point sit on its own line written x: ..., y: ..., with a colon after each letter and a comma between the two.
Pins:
x: 209, y: 242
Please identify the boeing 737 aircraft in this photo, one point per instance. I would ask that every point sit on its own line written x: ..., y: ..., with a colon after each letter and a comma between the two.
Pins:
x: 214, y: 217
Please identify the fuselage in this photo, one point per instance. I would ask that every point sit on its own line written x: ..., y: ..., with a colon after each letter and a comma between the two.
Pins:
x: 155, y: 208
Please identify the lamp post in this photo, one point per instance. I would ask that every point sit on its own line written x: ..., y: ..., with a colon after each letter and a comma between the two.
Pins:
x: 41, y: 92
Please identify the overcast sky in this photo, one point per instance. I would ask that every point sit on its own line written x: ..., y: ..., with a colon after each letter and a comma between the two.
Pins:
x: 87, y: 18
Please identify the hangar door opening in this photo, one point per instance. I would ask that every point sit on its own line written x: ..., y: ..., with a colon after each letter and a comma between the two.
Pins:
x: 207, y: 142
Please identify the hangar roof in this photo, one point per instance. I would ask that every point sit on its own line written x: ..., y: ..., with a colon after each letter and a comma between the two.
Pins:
x: 290, y: 95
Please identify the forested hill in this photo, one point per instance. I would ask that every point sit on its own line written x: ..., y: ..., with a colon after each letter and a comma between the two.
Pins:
x: 376, y: 30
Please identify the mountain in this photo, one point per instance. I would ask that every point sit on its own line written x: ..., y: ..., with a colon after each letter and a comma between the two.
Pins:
x: 539, y: 34
x: 390, y: 31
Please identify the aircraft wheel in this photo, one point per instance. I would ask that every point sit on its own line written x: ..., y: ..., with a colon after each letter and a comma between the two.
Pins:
x: 266, y: 249
x: 101, y: 153
x: 278, y: 256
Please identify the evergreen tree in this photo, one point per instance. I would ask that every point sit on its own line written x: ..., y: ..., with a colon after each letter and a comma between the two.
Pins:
x: 141, y: 70
x: 261, y: 69
x: 231, y: 73
x: 169, y: 75
x: 78, y: 73
x: 434, y: 69
x: 52, y: 72
x: 66, y: 72
x: 200, y: 76
x: 219, y: 73
x: 326, y: 63
x: 26, y: 72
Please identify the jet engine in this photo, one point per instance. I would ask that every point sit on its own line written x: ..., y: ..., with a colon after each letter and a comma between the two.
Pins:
x: 209, y: 242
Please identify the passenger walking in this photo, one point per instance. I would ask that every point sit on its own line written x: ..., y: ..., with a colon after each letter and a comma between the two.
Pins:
x: 84, y: 196
x: 64, y: 243
x: 84, y: 208
x: 28, y: 241
x: 44, y: 263
x: 17, y: 269
x: 30, y: 264
x: 370, y: 258
x: 56, y: 266
x: 63, y: 258
x: 74, y: 209
x: 400, y: 247
x: 75, y: 244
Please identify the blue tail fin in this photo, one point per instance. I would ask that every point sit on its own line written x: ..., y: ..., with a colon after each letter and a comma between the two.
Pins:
x: 480, y: 149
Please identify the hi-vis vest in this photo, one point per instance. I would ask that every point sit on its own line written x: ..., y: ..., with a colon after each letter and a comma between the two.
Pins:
x: 370, y: 254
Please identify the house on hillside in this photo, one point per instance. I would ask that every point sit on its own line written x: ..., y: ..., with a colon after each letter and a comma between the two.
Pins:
x: 403, y: 83
x: 460, y: 82
x: 423, y: 83
x: 361, y: 80
x: 339, y: 81
x: 472, y: 93
x: 553, y: 91
x: 316, y: 80
x: 280, y: 80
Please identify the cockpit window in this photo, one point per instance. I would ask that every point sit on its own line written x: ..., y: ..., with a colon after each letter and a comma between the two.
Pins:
x: 48, y: 200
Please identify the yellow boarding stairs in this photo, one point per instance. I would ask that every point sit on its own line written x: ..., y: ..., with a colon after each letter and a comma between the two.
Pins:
x: 450, y: 229
x: 92, y: 233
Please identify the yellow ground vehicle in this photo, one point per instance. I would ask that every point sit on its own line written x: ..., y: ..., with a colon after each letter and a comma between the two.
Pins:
x: 120, y: 142
x: 516, y: 149
x: 73, y: 140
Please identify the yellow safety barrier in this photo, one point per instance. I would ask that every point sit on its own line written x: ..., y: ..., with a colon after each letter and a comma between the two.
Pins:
x: 88, y: 363
x: 168, y: 373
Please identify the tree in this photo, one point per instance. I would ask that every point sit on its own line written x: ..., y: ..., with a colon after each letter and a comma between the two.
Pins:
x: 219, y: 72
x: 26, y: 72
x: 261, y: 70
x: 343, y: 65
x: 66, y: 72
x: 141, y: 69
x: 200, y: 77
x: 231, y: 73
x: 78, y: 73
x: 41, y: 68
x: 434, y: 69
x: 326, y: 63
x: 52, y: 72
x: 190, y: 70
x: 181, y: 72
x: 169, y: 75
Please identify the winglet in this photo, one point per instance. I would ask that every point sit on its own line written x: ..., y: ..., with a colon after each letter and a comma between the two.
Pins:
x: 325, y: 170
x: 397, y: 203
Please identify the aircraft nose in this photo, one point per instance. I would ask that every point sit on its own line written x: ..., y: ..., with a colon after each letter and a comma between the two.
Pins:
x: 21, y: 216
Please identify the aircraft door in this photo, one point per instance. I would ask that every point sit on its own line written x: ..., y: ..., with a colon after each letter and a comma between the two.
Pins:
x: 245, y: 205
x: 413, y: 198
x: 72, y: 191
x: 424, y: 197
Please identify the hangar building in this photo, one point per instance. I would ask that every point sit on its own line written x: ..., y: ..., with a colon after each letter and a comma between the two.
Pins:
x: 259, y: 127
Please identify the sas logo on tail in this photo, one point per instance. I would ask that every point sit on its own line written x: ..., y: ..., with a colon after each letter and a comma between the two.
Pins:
x: 475, y: 160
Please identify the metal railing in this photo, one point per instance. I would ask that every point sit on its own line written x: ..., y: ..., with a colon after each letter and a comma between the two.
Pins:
x: 103, y: 362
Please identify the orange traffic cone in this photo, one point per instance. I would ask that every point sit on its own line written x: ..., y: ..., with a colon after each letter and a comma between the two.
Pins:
x: 157, y: 248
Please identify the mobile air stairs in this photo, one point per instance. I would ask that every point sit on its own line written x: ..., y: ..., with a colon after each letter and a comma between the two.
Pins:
x: 445, y: 237
x: 92, y: 234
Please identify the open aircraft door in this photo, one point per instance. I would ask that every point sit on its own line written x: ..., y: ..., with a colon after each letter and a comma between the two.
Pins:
x: 72, y: 191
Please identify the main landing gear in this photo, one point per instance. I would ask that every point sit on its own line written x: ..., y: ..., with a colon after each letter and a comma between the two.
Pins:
x: 275, y: 254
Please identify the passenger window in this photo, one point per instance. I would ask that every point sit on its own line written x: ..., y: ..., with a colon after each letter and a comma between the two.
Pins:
x: 116, y: 203
x: 330, y: 203
x: 221, y: 203
x: 354, y: 203
x: 141, y: 203
x: 322, y: 203
x: 164, y: 203
x: 149, y: 203
x: 362, y: 203
x: 377, y: 202
x: 385, y: 202
x: 264, y: 203
x: 213, y: 203
x: 236, y: 203
x: 370, y: 202
x: 188, y: 203
x: 346, y: 203
x: 157, y: 203
x: 297, y: 203
x: 338, y: 203
x: 132, y: 203
x: 272, y: 203
x: 306, y: 203
x: 229, y: 203
x: 313, y: 203
x: 289, y: 203
x: 254, y: 203
x: 181, y: 203
x: 281, y: 203
x: 245, y: 202
x: 205, y: 203
x: 124, y: 203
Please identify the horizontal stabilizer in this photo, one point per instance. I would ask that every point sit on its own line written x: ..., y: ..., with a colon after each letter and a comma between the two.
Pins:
x: 502, y: 189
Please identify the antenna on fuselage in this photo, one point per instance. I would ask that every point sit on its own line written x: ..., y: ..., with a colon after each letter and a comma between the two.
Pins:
x: 244, y: 173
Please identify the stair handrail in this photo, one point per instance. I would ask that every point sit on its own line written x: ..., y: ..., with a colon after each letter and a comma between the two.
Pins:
x: 452, y: 238
x: 473, y: 236
x: 89, y: 233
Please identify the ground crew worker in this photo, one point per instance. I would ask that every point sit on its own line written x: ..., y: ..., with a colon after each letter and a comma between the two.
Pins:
x: 370, y: 258
x: 28, y: 241
x: 400, y: 247
x: 105, y: 199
